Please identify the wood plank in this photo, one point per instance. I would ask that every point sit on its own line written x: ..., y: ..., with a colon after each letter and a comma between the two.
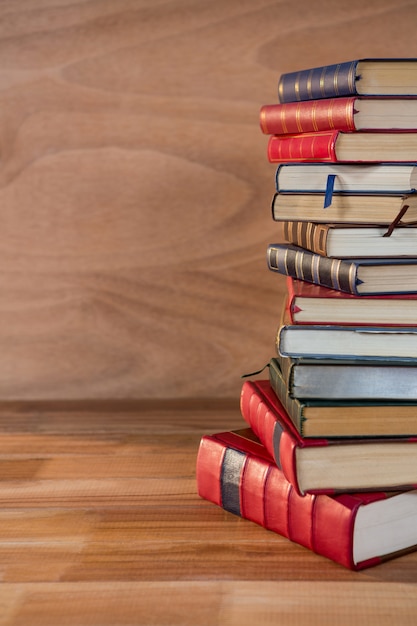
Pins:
x: 103, y: 525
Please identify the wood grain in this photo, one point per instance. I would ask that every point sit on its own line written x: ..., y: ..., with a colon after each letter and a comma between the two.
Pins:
x: 134, y: 187
x: 101, y: 524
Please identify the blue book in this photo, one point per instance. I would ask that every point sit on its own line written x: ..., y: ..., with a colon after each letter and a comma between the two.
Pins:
x: 367, y: 77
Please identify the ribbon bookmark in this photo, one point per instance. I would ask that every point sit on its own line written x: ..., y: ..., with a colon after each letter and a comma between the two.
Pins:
x: 328, y: 197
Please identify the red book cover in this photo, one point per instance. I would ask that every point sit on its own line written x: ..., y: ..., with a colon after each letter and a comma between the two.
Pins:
x: 308, y: 116
x: 308, y: 147
x: 330, y: 467
x: 365, y: 310
x: 235, y: 472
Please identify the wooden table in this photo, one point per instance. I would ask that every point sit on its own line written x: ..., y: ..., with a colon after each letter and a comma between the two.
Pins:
x: 100, y: 524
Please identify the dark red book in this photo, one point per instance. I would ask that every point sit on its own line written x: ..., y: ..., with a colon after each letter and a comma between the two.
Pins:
x: 308, y: 303
x: 235, y: 472
x: 337, y: 146
x: 345, y: 113
x: 327, y: 465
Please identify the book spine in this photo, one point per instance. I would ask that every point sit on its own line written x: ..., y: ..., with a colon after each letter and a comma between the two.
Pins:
x: 308, y: 116
x: 305, y: 265
x: 264, y: 423
x: 329, y: 81
x: 256, y: 490
x: 304, y: 147
x: 309, y: 235
x: 293, y: 406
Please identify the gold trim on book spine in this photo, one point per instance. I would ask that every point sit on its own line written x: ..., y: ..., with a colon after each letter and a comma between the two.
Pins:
x: 283, y: 115
x: 334, y: 273
x: 336, y: 80
x: 323, y: 72
x: 352, y: 278
x: 297, y: 87
x: 309, y: 82
x: 299, y: 265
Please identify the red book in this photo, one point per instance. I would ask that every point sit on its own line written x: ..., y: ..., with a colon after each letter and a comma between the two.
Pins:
x: 235, y: 472
x: 346, y: 113
x: 308, y: 303
x: 336, y: 146
x: 327, y: 465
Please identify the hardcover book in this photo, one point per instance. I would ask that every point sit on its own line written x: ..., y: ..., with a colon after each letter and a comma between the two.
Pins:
x: 347, y: 114
x: 327, y: 465
x: 337, y: 146
x: 345, y: 208
x: 348, y: 178
x: 357, y: 276
x: 342, y: 379
x: 308, y: 303
x: 346, y: 341
x: 369, y: 77
x: 354, y: 417
x: 235, y: 472
x: 350, y: 240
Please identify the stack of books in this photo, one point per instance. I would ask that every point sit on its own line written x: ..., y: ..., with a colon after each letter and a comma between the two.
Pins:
x: 328, y: 455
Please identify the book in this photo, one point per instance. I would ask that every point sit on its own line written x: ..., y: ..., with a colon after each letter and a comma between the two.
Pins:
x: 357, y: 276
x: 371, y: 77
x: 337, y: 146
x: 347, y: 178
x: 235, y: 472
x: 345, y: 208
x: 346, y: 341
x: 348, y: 114
x: 345, y: 417
x: 327, y: 465
x: 350, y: 240
x: 313, y: 304
x: 341, y: 379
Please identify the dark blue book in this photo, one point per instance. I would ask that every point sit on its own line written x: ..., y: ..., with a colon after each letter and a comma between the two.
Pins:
x: 370, y: 77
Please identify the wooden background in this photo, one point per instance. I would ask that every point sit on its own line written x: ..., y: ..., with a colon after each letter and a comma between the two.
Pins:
x: 134, y: 186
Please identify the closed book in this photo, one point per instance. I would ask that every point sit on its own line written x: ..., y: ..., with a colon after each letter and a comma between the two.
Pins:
x: 308, y: 303
x: 341, y: 379
x: 334, y: 341
x: 327, y: 465
x: 349, y: 114
x: 349, y: 240
x: 345, y: 208
x: 357, y: 276
x: 235, y: 472
x: 345, y: 417
x: 337, y: 146
x: 347, y: 178
x: 369, y: 77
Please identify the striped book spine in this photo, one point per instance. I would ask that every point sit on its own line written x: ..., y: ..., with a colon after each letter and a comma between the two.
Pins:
x: 289, y: 260
x: 309, y: 235
x: 303, y: 147
x: 308, y: 116
x: 329, y: 81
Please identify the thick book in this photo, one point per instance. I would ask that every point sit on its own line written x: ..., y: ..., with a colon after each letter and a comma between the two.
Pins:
x: 235, y: 472
x: 355, y: 417
x: 357, y: 276
x: 327, y: 465
x: 350, y: 240
x: 342, y: 379
x: 337, y: 146
x: 313, y: 304
x: 336, y: 341
x: 366, y: 77
x: 348, y: 114
x: 353, y: 209
x: 347, y: 178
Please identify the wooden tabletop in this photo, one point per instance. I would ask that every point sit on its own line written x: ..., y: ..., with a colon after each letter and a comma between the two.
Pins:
x: 100, y: 524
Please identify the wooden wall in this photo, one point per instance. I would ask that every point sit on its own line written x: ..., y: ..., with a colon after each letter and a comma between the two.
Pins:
x: 134, y: 186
